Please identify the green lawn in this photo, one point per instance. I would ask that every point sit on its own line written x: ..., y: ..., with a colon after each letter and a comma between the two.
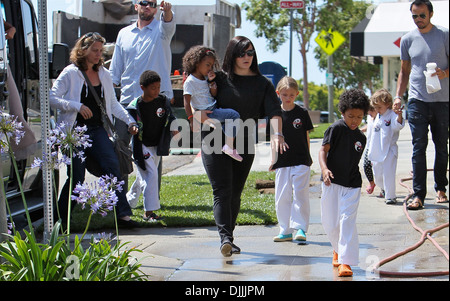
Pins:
x: 186, y: 201
x: 318, y: 131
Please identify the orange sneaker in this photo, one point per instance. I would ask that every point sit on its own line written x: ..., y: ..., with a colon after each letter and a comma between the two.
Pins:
x: 335, y: 259
x: 345, y: 271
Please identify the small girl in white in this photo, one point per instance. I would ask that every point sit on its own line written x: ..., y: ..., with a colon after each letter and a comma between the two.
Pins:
x: 383, y: 151
x: 200, y: 89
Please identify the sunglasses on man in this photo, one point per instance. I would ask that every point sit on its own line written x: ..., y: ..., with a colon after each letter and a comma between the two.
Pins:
x: 422, y: 16
x: 248, y: 52
x: 146, y: 3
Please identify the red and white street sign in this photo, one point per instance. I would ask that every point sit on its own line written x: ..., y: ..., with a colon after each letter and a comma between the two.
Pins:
x: 292, y: 4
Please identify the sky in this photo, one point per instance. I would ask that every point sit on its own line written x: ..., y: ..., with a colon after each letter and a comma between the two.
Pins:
x: 247, y: 29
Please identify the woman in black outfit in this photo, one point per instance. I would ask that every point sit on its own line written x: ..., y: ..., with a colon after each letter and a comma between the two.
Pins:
x: 241, y: 87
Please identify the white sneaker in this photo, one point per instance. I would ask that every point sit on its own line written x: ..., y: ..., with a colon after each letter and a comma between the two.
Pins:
x: 232, y: 153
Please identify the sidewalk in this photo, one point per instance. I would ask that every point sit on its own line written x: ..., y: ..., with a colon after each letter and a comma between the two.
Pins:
x: 192, y: 254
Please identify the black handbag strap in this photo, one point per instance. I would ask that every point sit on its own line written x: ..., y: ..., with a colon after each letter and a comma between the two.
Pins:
x: 101, y: 105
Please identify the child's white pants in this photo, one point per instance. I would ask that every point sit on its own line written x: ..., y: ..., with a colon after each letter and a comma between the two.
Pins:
x: 292, y: 198
x: 146, y: 181
x: 339, y: 206
x: 384, y: 174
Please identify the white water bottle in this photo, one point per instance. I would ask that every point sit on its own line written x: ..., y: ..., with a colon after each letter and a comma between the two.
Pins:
x: 432, y: 82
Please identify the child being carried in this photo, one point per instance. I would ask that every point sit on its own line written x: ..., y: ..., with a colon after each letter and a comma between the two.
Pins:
x: 199, y: 91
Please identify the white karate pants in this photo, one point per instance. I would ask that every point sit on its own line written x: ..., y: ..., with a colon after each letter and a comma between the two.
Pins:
x: 339, y: 206
x: 146, y: 182
x: 292, y: 198
x: 384, y: 174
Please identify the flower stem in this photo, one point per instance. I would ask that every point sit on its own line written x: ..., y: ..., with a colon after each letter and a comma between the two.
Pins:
x: 69, y: 201
x: 19, y: 182
x: 84, y: 233
x: 7, y: 206
x: 117, y: 227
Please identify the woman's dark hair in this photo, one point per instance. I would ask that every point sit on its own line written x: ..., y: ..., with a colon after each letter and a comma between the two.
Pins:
x: 235, y: 48
x: 77, y: 55
x: 422, y: 2
x: 149, y: 77
x: 354, y: 99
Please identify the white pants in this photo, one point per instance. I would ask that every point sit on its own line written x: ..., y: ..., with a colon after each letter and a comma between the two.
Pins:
x: 339, y: 206
x: 384, y: 174
x: 146, y: 182
x: 292, y: 198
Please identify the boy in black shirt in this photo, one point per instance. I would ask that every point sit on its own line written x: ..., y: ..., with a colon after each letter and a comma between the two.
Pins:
x: 154, y: 116
x: 342, y: 147
x: 292, y: 166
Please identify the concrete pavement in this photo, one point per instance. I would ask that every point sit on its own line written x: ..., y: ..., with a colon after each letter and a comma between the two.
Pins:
x: 192, y: 254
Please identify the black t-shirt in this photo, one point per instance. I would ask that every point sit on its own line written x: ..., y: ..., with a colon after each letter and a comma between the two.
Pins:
x: 89, y: 101
x: 296, y: 124
x: 346, y: 148
x: 153, y: 117
x: 251, y: 96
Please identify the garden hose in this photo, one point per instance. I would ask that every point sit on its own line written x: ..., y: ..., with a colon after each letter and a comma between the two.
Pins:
x: 425, y: 234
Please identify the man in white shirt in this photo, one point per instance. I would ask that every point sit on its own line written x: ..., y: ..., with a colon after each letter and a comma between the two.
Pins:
x: 144, y: 45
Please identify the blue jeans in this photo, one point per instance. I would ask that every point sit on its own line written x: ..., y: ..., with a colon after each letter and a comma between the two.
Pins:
x: 420, y: 116
x: 226, y: 118
x: 103, y: 152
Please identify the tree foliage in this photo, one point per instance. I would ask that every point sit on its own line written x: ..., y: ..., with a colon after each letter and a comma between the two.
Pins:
x: 273, y: 23
x: 343, y: 16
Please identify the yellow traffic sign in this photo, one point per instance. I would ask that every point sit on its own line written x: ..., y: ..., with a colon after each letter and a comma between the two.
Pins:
x: 329, y: 41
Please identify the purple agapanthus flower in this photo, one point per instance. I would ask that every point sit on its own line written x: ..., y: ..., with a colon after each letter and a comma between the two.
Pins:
x: 10, y: 227
x: 10, y: 128
x: 104, y: 236
x: 100, y: 196
x: 62, y: 138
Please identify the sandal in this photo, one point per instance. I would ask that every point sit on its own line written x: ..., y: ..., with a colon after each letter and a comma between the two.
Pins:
x: 152, y: 217
x: 440, y: 199
x: 345, y: 270
x: 415, y: 204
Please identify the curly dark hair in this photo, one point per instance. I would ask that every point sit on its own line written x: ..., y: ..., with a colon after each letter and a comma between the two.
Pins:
x: 354, y: 99
x: 195, y: 55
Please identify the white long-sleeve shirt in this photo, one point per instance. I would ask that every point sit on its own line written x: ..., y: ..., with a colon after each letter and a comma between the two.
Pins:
x: 65, y: 95
x: 138, y: 50
x: 384, y: 136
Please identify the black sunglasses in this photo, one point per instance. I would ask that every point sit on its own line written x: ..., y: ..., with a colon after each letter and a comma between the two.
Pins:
x: 90, y: 34
x: 95, y: 37
x: 422, y: 16
x: 145, y: 3
x: 248, y: 52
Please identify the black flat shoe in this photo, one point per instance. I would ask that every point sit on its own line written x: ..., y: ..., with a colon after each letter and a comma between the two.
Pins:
x: 127, y: 224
